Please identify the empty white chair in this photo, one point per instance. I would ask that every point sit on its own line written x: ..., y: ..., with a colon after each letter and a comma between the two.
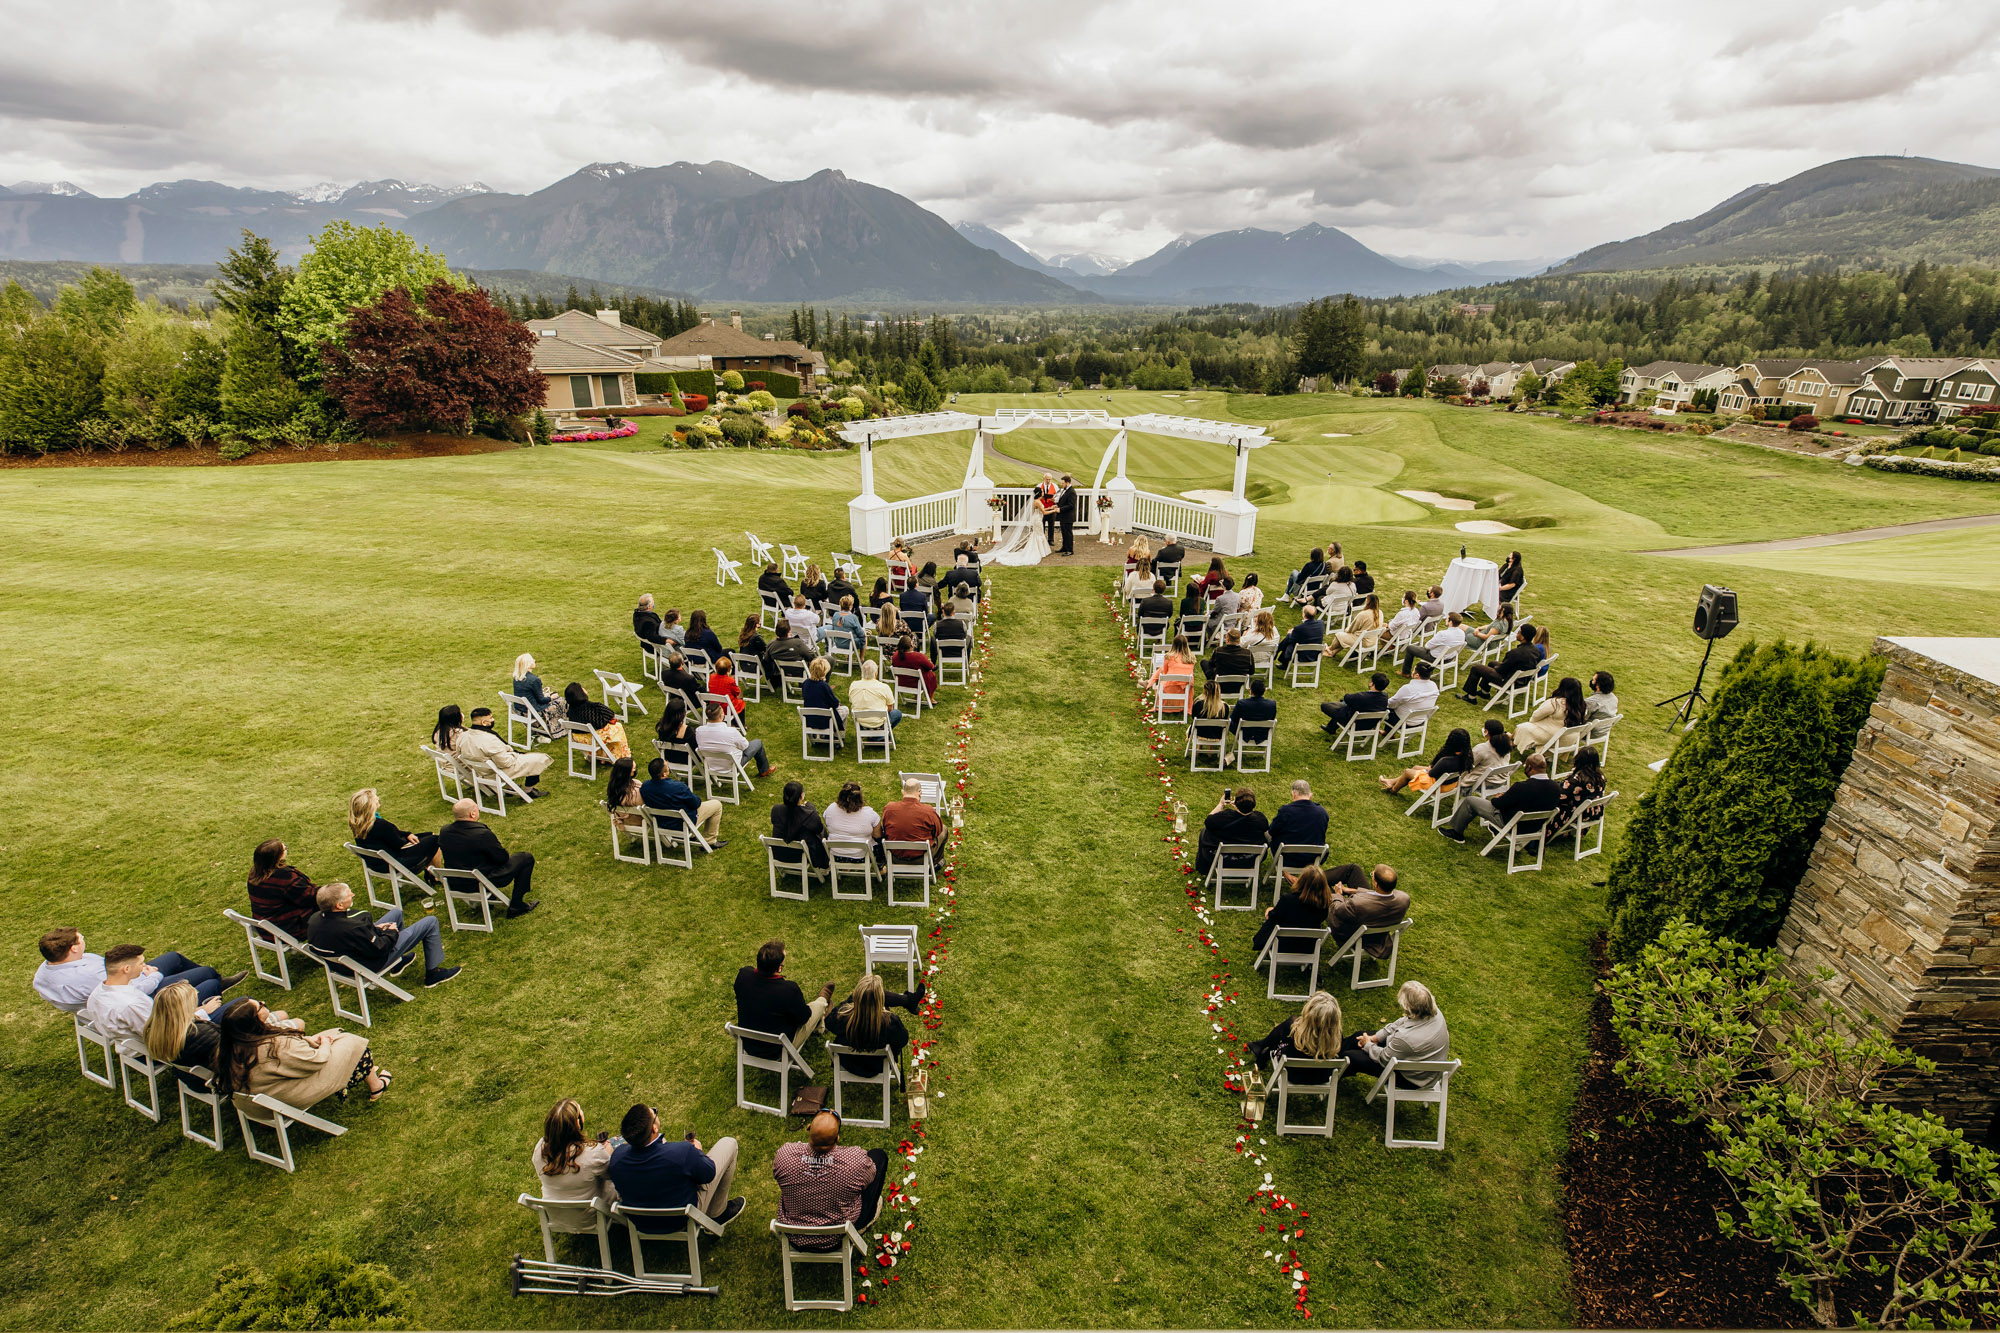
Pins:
x: 571, y: 1218
x: 1277, y: 954
x: 674, y: 1226
x: 586, y: 742
x: 468, y: 889
x: 820, y: 727
x: 873, y: 732
x: 760, y: 550
x: 621, y: 693
x: 447, y: 773
x: 1360, y: 730
x: 1236, y: 866
x: 134, y: 1063
x: 843, y: 1256
x: 795, y: 560
x: 795, y: 864
x: 360, y: 978
x: 1292, y: 1078
x: 782, y: 1064
x: 278, y: 1117
x: 922, y: 869
x: 1304, y: 673
x: 849, y: 859
x: 889, y: 946
x: 267, y: 937
x: 887, y: 1080
x: 197, y: 1084
x: 1355, y: 949
x: 525, y: 716
x: 380, y: 865
x: 1390, y: 1085
x: 627, y: 824
x: 725, y: 568
x: 89, y: 1035
x: 675, y: 836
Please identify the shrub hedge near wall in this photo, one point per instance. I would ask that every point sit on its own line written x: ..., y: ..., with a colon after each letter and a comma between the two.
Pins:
x: 689, y: 381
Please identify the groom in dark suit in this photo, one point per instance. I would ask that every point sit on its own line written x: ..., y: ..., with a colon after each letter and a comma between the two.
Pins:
x: 1066, y: 514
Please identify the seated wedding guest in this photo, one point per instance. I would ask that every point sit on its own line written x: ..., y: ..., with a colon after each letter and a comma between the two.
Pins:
x: 1363, y: 627
x: 961, y: 604
x: 1542, y: 647
x: 1532, y: 795
x: 1511, y: 576
x: 1500, y: 627
x: 1310, y: 632
x: 1156, y: 605
x: 1311, y: 1034
x: 803, y: 620
x: 646, y: 1171
x: 1407, y: 616
x: 1175, y: 673
x: 1211, y: 581
x: 671, y: 629
x: 528, y: 685
x: 1314, y: 566
x: 280, y: 892
x: 256, y: 1055
x: 1235, y: 819
x: 1252, y: 708
x: 1418, y: 697
x: 413, y: 851
x: 699, y: 635
x: 851, y: 818
x: 1335, y: 597
x: 1301, y: 821
x: 1374, y: 699
x: 845, y: 620
x: 675, y: 731
x: 880, y: 595
x: 768, y: 1001
x: 480, y: 743
x: 1433, y: 605
x: 646, y: 621
x: 1139, y: 552
x: 1364, y: 582
x: 1419, y: 1034
x: 870, y: 693
x: 908, y: 658
x: 1251, y: 596
x: 773, y: 582
x: 864, y: 1022
x: 722, y: 681
x: 1194, y: 606
x: 622, y: 798
x: 838, y: 587
x: 888, y: 623
x: 911, y: 819
x: 812, y: 587
x: 1583, y: 783
x: 467, y: 844
x: 675, y: 675
x: 821, y: 1183
x: 818, y: 693
x: 68, y: 975
x: 1483, y: 678
x: 749, y: 643
x: 1564, y: 708
x: 592, y: 714
x: 181, y: 1030
x: 1453, y: 757
x: 1444, y: 645
x: 1304, y: 907
x: 953, y: 629
x: 1361, y: 903
x: 569, y: 1165
x: 1208, y: 704
x: 917, y: 597
x: 117, y: 1006
x: 1230, y: 658
x: 1171, y: 556
x: 339, y: 928
x: 788, y: 648
x: 1603, y: 700
x: 1493, y: 749
x: 1227, y: 602
x: 662, y: 791
x: 1263, y: 636
x: 719, y: 736
x: 964, y: 576
x: 1138, y: 580
x: 795, y: 819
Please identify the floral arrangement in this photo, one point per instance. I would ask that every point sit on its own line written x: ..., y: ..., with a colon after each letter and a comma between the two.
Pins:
x: 996, y: 502
x: 1103, y: 502
x: 618, y: 434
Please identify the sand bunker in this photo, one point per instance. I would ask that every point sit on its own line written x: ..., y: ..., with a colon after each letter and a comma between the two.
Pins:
x: 1436, y: 501
x: 1485, y: 527
x: 1206, y: 497
x: 1337, y: 435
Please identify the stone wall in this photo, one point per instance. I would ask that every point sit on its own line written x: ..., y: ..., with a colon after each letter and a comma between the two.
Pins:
x: 1901, y: 897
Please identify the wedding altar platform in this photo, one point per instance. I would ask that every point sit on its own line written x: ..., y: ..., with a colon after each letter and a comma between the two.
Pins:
x: 1228, y: 527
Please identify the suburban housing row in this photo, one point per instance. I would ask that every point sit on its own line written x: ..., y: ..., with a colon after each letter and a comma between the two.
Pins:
x: 591, y: 361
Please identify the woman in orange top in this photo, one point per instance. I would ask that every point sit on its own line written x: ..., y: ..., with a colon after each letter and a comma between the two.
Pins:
x: 1175, y: 672
x: 723, y: 682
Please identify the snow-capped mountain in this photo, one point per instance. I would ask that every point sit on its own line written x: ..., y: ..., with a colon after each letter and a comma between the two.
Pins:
x: 50, y: 187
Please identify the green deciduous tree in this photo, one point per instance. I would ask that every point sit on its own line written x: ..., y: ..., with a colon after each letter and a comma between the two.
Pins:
x: 349, y: 267
x: 99, y: 305
x: 141, y: 364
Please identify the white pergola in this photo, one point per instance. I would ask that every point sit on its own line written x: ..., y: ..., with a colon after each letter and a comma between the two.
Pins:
x: 1228, y: 527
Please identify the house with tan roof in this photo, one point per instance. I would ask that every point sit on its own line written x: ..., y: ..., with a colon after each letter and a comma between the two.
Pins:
x: 606, y: 329
x: 1673, y: 384
x: 577, y: 375
x: 1823, y: 387
x: 726, y: 348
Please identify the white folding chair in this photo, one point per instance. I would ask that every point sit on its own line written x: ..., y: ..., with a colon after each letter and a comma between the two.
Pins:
x: 1289, y: 1086
x: 843, y: 654
x: 910, y: 688
x: 1153, y: 633
x: 1275, y: 955
x: 491, y: 786
x: 922, y: 870
x: 629, y: 823
x: 571, y: 1218
x: 1439, y: 799
x: 1584, y: 822
x: 1253, y: 743
x: 844, y: 566
x: 266, y: 936
x: 380, y: 865
x: 782, y: 1064
x: 725, y: 568
x: 1435, y: 1095
x: 1360, y: 729
x: 467, y: 889
x: 820, y: 727
x: 621, y: 694
x: 852, y: 1246
x: 1355, y: 950
x: 792, y: 682
x: 586, y: 742
x: 1543, y: 676
x: 447, y: 771
x: 1523, y: 830
x: 675, y: 836
x: 1232, y: 688
x: 649, y: 658
x: 901, y: 573
x: 361, y: 979
x: 197, y: 1084
x: 672, y: 1226
x: 1306, y: 657
x: 888, y: 1080
x: 889, y: 946
x: 1223, y: 876
x: 1207, y: 736
x: 849, y: 859
x: 930, y: 788
x: 795, y: 560
x: 1446, y: 675
x: 770, y: 610
x: 88, y: 1034
x: 679, y: 757
x: 1292, y: 857
x: 1516, y: 695
x: 522, y: 714
x: 133, y: 1062
x: 1411, y: 734
x: 872, y: 731
x: 718, y: 766
x: 264, y: 1109
x: 954, y: 661
x: 802, y: 868
x: 760, y: 550
x: 728, y: 706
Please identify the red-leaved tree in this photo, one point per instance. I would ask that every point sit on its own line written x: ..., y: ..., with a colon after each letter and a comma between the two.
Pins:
x: 441, y: 366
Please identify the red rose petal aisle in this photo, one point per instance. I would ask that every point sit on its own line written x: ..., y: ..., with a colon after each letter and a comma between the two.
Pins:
x: 894, y: 1243
x: 1280, y: 1219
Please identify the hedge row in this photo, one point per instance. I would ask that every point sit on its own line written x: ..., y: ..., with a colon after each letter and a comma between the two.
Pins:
x: 689, y: 381
x: 1933, y: 467
x: 777, y: 382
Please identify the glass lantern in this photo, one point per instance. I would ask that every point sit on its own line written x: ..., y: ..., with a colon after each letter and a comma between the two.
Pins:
x: 957, y: 808
x: 1180, y: 815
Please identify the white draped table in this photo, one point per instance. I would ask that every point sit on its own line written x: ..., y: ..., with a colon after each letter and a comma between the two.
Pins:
x: 1472, y: 580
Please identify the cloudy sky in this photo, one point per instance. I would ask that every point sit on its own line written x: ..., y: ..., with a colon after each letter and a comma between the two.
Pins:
x: 1453, y: 130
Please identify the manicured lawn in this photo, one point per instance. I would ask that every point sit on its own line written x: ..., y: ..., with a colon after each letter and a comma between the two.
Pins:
x: 203, y: 658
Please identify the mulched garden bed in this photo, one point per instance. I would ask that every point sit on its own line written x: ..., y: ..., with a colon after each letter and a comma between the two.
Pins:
x: 1639, y: 1206
x: 400, y: 446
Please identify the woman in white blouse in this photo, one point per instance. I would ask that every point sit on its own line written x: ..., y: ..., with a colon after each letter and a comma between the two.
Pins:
x: 851, y: 817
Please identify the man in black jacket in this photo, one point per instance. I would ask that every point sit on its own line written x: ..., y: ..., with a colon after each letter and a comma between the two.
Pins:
x: 788, y: 647
x: 1254, y: 709
x: 467, y: 844
x: 1374, y: 699
x: 1301, y: 821
x: 772, y: 581
x: 1533, y: 794
x: 767, y: 1001
x: 1230, y: 658
x: 1311, y: 631
x: 1482, y: 680
x: 676, y: 676
x: 837, y: 588
x: 337, y: 928
x: 1171, y: 556
x: 646, y: 621
x: 1159, y: 606
x: 963, y: 575
x: 1066, y: 514
x: 1234, y: 821
x: 1364, y: 582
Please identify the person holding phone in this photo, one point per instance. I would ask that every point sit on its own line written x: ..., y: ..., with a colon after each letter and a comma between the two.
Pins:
x: 646, y: 1171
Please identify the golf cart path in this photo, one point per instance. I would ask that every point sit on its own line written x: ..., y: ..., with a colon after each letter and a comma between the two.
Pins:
x: 1836, y: 538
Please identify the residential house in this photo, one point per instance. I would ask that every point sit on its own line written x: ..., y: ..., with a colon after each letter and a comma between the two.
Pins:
x: 1500, y: 377
x: 1673, y: 384
x: 1757, y: 384
x: 1971, y: 385
x: 1901, y: 388
x: 1551, y: 369
x: 1823, y: 387
x: 1464, y: 374
x: 728, y: 348
x: 578, y: 375
x: 605, y: 329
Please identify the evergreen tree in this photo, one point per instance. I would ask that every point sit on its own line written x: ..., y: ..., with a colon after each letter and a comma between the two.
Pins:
x: 930, y: 360
x: 51, y: 382
x: 256, y: 394
x: 1413, y: 383
x: 919, y: 393
x: 573, y: 301
x: 250, y: 282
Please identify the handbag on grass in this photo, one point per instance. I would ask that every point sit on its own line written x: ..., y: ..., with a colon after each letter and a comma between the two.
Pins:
x: 809, y: 1102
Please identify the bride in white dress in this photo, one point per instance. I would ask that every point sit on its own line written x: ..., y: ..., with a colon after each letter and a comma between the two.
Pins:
x: 1020, y: 542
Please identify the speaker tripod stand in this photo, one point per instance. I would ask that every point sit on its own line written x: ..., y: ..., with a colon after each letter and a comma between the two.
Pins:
x: 1687, y: 699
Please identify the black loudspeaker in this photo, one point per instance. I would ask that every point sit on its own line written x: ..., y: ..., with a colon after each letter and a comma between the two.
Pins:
x: 1715, y: 613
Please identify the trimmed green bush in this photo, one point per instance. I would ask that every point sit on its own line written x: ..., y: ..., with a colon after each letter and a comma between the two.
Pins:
x: 732, y: 381
x: 777, y: 381
x: 688, y: 381
x: 307, y: 1291
x: 1723, y: 836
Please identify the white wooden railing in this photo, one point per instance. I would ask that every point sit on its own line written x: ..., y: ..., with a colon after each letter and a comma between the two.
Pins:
x: 925, y: 516
x: 1015, y: 499
x: 1165, y: 516
x: 1056, y: 413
